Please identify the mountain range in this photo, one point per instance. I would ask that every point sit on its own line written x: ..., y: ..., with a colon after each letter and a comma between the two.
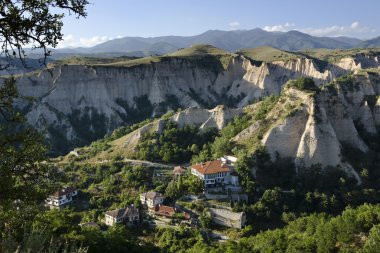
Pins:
x: 228, y: 40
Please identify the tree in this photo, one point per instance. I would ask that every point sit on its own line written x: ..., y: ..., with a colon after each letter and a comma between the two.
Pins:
x: 372, y: 245
x: 194, y: 185
x: 24, y: 23
x: 205, y: 219
x: 244, y: 168
x: 174, y: 190
x: 24, y: 179
x: 23, y: 176
x: 34, y: 23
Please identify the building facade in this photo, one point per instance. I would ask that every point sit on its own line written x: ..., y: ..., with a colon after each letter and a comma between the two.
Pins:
x: 127, y: 215
x: 62, y: 197
x: 151, y: 199
x: 229, y: 160
x: 227, y: 218
x: 213, y: 173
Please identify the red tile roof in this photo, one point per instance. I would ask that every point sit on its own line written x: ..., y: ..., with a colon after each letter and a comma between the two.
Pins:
x: 165, y: 210
x: 211, y: 167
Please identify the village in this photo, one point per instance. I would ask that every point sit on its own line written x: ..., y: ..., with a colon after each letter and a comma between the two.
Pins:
x: 220, y: 186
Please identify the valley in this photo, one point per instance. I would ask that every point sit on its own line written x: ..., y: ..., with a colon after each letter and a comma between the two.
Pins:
x: 189, y: 126
x: 228, y: 144
x: 305, y: 140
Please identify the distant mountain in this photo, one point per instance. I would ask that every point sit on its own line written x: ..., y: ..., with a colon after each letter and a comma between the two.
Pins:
x: 16, y: 66
x: 227, y: 40
x: 371, y: 43
x: 354, y: 42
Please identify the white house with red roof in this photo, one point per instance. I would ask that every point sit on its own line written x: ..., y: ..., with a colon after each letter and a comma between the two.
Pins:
x: 62, y: 197
x: 212, y: 172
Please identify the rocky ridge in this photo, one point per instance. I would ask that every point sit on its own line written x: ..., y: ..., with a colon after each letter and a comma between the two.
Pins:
x: 80, y: 103
x: 313, y: 127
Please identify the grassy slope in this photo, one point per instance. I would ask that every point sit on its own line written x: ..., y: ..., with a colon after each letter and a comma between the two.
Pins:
x: 333, y: 55
x: 116, y: 146
x: 82, y: 60
x: 268, y: 54
x: 192, y: 53
x: 260, y: 54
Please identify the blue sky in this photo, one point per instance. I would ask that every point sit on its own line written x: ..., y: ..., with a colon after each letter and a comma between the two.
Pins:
x: 108, y: 19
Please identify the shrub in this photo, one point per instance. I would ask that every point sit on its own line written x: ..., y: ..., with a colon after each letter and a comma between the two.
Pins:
x: 304, y: 84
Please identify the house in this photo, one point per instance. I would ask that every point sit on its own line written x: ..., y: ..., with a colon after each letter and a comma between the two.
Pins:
x: 128, y: 215
x: 227, y: 218
x: 62, y: 197
x: 151, y: 199
x: 168, y: 212
x: 179, y: 170
x: 213, y: 173
x: 229, y: 160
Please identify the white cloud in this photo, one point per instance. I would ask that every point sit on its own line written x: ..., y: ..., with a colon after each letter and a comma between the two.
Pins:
x: 355, y: 25
x: 71, y: 41
x: 279, y: 28
x: 89, y: 42
x: 355, y: 29
x: 234, y: 25
x: 68, y: 41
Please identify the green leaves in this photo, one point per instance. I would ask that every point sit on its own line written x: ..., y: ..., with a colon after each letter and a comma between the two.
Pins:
x: 32, y: 22
x: 174, y: 145
x: 23, y: 175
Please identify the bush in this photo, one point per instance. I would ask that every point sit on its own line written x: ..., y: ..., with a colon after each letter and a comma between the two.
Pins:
x: 174, y: 145
x: 304, y: 84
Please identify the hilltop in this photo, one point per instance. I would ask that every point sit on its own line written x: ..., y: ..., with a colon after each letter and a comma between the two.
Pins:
x: 269, y: 54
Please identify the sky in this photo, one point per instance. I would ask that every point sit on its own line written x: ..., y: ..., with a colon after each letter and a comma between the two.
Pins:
x: 109, y: 19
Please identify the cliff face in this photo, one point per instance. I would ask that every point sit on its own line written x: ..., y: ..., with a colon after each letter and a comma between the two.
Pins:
x: 79, y: 103
x: 314, y: 127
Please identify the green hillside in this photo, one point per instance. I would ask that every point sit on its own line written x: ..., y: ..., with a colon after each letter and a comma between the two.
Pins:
x: 199, y: 50
x: 268, y: 54
x: 204, y: 54
x: 85, y: 60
